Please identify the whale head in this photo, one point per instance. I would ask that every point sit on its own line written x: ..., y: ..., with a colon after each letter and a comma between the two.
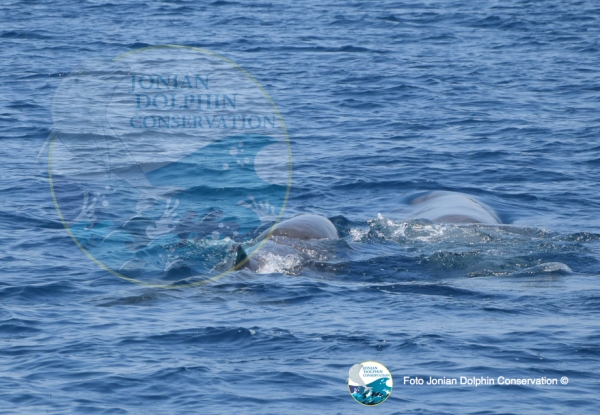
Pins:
x: 453, y: 207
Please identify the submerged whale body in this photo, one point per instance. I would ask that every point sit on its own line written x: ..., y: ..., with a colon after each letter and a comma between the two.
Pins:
x: 437, y: 207
x: 301, y: 227
x: 453, y: 207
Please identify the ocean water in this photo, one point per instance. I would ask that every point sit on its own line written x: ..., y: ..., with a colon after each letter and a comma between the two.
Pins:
x: 382, y: 101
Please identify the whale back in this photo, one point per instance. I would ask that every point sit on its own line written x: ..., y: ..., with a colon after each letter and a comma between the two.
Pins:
x: 306, y: 226
x: 303, y: 227
x: 452, y: 207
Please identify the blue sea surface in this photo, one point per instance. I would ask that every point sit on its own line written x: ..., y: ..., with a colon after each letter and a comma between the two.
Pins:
x: 382, y: 101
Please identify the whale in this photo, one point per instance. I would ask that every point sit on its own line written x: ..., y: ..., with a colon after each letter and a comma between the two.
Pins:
x: 302, y: 227
x: 453, y: 207
x: 284, y: 239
